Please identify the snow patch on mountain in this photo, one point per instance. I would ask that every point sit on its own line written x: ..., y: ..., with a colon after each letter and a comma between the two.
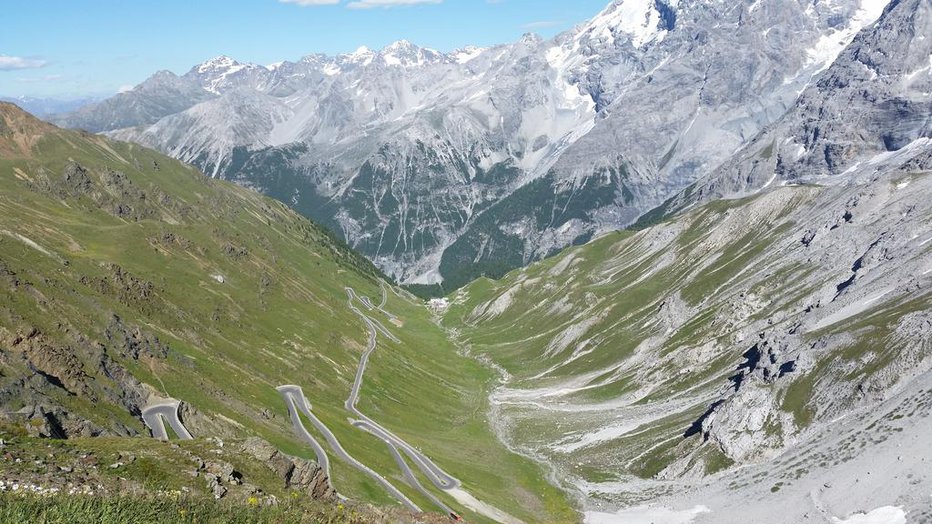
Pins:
x: 883, y: 515
x: 646, y: 515
x: 639, y: 20
x: 830, y: 45
x: 467, y: 54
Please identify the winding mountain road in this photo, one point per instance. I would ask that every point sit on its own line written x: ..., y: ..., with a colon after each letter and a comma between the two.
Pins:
x: 296, y: 400
x: 437, y: 476
x: 381, y: 306
x: 155, y: 416
x: 294, y: 397
x: 398, y: 448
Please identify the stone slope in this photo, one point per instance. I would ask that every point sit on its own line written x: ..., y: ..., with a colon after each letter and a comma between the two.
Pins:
x: 732, y: 335
x: 871, y: 107
x: 417, y: 157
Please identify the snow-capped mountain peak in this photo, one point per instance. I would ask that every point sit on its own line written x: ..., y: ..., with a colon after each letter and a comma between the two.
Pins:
x: 361, y: 56
x: 531, y: 39
x: 216, y: 74
x: 641, y: 100
x: 467, y: 54
x: 404, y: 53
x: 400, y: 46
x: 221, y: 62
x: 640, y: 21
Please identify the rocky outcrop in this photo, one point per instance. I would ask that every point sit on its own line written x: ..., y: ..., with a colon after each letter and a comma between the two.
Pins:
x: 75, y: 180
x: 296, y: 473
x: 45, y: 366
x: 747, y: 422
x: 213, y: 424
x: 112, y: 191
x: 747, y: 425
x: 870, y: 106
x: 126, y: 287
x: 57, y: 363
x: 132, y: 342
x: 50, y: 422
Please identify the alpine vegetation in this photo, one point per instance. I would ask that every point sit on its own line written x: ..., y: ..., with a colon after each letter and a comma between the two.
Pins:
x: 672, y: 265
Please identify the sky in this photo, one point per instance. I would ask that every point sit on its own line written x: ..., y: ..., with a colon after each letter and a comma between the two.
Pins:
x: 75, y: 48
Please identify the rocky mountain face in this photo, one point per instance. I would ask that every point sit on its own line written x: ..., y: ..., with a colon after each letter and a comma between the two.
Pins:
x: 777, y: 320
x: 445, y: 166
x: 162, y: 94
x: 871, y: 109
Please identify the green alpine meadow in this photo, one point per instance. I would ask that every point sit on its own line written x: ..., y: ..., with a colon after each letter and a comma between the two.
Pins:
x: 130, y: 276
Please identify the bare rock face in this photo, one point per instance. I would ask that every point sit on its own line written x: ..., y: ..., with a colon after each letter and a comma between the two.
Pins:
x: 201, y: 423
x: 52, y: 422
x: 132, y: 342
x: 871, y: 105
x: 747, y: 422
x: 75, y: 180
x: 893, y: 60
x: 746, y: 426
x: 57, y: 363
x: 66, y: 362
x: 482, y: 160
x: 162, y: 94
x: 296, y: 473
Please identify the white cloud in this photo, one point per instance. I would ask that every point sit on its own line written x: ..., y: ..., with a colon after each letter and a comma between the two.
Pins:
x: 543, y: 24
x: 125, y: 89
x: 365, y: 4
x: 9, y: 63
x: 39, y: 79
x: 369, y: 4
x: 305, y: 3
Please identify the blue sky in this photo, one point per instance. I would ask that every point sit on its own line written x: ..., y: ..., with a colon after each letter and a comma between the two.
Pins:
x: 72, y: 48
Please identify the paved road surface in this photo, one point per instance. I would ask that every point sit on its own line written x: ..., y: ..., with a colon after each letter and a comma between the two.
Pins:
x: 297, y: 402
x: 293, y: 398
x: 397, y: 447
x: 439, y: 478
x: 155, y: 415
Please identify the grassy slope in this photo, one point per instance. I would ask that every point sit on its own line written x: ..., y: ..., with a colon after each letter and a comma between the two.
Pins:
x: 620, y: 282
x: 64, y: 509
x: 279, y: 317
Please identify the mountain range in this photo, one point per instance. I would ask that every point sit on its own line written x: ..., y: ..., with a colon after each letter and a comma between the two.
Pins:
x: 45, y: 107
x: 743, y: 333
x: 441, y: 167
